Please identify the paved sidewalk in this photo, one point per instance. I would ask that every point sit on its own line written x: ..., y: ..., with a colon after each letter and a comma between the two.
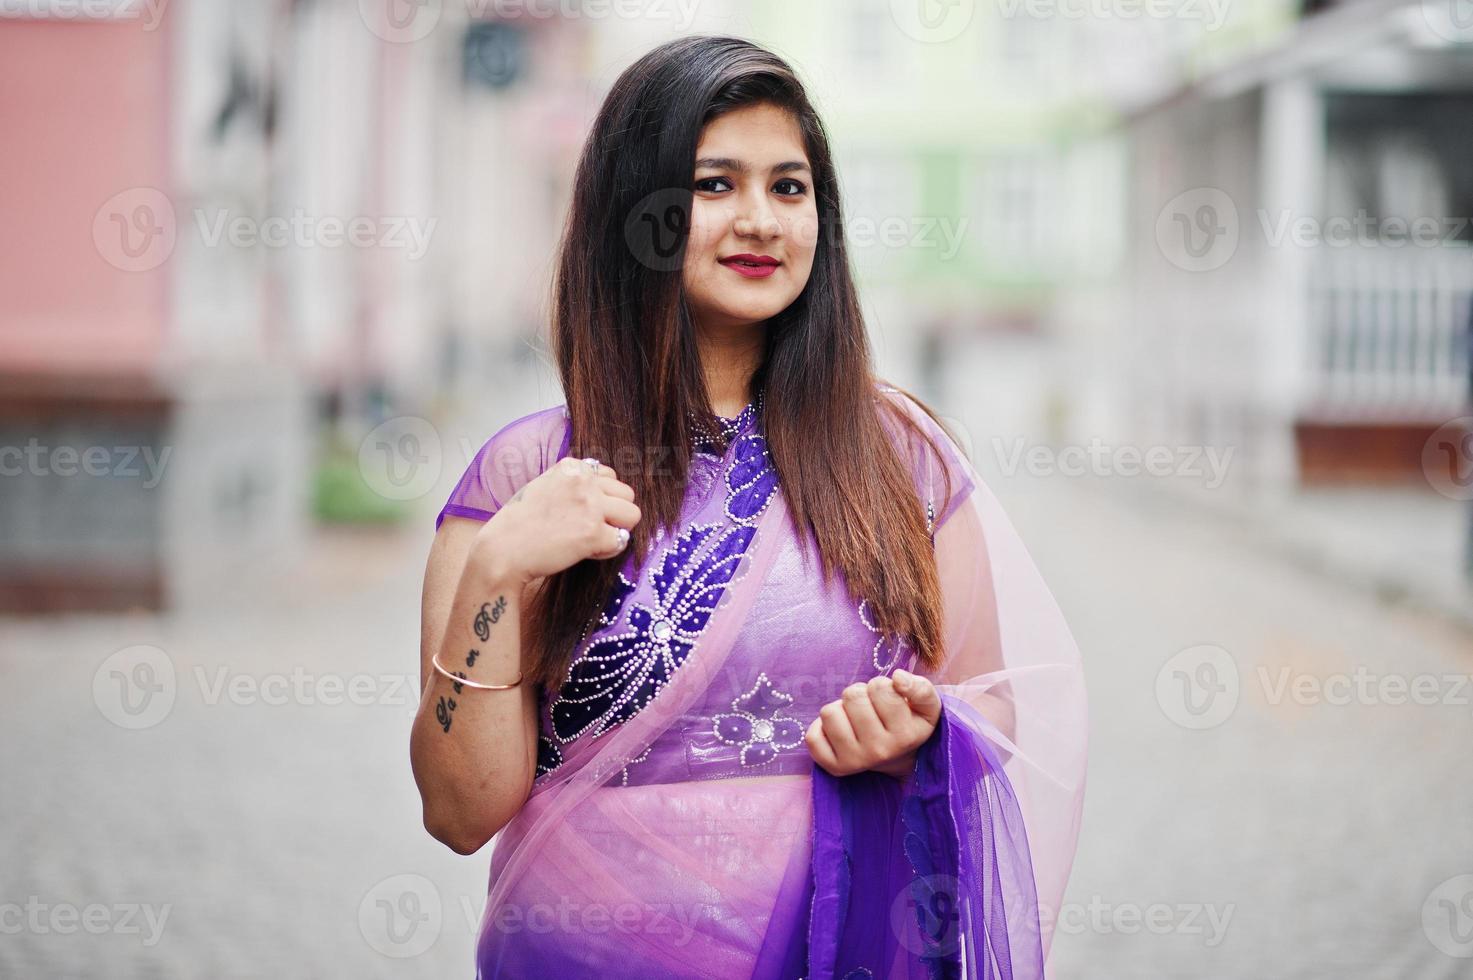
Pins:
x: 260, y: 811
x: 1399, y: 544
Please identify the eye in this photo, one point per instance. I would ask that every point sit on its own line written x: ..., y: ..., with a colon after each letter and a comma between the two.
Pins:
x: 796, y: 187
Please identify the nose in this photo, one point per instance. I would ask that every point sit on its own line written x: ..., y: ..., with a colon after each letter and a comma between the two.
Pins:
x: 754, y: 218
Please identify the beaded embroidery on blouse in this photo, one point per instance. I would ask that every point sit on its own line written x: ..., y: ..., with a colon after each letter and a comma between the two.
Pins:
x: 621, y: 671
x: 756, y: 723
x: 730, y: 427
x: 890, y: 648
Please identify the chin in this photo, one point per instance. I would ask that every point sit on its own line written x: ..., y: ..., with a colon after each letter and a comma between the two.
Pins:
x: 752, y: 314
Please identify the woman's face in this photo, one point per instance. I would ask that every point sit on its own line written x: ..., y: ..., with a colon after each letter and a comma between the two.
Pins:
x: 753, y: 199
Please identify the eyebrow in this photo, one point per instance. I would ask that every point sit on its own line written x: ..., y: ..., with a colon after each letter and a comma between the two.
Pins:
x: 731, y: 163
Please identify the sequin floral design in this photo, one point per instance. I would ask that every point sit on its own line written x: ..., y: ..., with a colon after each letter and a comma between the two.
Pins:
x: 615, y: 603
x: 757, y: 724
x: 730, y: 428
x: 612, y: 606
x: 624, y: 770
x: 707, y: 451
x: 889, y: 649
x: 549, y: 756
x: 621, y: 672
x: 750, y: 481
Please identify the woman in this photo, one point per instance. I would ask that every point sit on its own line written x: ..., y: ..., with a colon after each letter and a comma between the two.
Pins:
x: 779, y: 692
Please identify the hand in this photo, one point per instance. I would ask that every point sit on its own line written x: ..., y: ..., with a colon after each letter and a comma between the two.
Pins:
x: 879, y: 725
x: 562, y: 517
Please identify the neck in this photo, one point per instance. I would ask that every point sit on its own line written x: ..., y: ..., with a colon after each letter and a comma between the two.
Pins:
x: 729, y: 358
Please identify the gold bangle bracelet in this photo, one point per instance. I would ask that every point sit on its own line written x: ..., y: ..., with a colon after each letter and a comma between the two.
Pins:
x: 435, y: 662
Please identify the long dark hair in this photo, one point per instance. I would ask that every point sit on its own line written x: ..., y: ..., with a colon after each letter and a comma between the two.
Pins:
x: 625, y: 346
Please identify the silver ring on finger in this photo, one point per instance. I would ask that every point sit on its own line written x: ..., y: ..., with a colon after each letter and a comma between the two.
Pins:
x: 623, y: 533
x: 592, y: 464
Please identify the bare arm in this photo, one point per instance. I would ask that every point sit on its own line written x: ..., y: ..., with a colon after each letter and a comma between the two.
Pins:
x: 473, y: 752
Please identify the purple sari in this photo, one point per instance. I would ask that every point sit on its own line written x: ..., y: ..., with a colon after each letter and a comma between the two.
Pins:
x: 677, y: 825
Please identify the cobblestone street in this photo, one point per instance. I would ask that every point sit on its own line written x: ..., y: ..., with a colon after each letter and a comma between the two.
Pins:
x: 266, y: 823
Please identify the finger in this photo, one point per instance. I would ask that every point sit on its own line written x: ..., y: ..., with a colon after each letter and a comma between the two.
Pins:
x: 614, y: 487
x: 614, y: 544
x: 819, y: 747
x: 620, y: 513
x: 924, y: 699
x: 868, y: 729
x: 894, y: 710
x: 576, y: 467
x: 838, y: 730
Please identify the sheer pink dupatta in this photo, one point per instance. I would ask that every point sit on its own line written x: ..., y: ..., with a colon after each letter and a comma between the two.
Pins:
x: 958, y: 870
x: 547, y: 829
x: 1010, y: 655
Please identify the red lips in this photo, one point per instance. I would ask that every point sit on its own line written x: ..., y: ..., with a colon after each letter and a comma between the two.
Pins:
x: 747, y: 258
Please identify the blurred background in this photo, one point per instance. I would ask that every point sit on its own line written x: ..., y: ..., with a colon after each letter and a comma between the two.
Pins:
x: 1190, y: 279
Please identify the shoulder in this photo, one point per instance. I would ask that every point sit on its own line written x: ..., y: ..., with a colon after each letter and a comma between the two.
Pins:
x: 899, y: 399
x: 512, y: 457
x: 538, y: 427
x: 524, y: 447
x: 942, y: 469
x: 927, y: 433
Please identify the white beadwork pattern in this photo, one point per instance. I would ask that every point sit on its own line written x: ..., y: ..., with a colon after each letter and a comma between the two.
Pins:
x: 889, y: 649
x: 758, y: 725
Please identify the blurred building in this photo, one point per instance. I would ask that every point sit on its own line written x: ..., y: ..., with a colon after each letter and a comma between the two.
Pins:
x: 1294, y: 286
x: 243, y: 235
x: 1297, y: 276
x: 152, y: 423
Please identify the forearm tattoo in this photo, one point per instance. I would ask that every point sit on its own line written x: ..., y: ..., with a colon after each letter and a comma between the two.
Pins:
x: 489, y: 614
